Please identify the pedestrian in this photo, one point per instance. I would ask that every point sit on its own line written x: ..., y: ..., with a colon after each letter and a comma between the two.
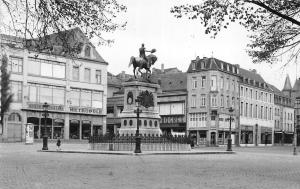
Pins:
x: 58, y: 143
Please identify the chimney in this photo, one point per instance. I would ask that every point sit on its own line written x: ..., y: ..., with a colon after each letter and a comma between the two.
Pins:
x: 123, y: 75
x: 253, y: 70
x: 162, y: 68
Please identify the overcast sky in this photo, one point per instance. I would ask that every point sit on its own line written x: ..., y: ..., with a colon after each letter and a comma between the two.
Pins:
x: 178, y: 41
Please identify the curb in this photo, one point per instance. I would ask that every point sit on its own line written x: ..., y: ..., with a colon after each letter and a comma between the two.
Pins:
x: 137, y: 154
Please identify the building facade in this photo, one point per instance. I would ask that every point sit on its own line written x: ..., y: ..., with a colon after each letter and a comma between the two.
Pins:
x: 75, y: 89
x: 256, y: 110
x: 213, y: 88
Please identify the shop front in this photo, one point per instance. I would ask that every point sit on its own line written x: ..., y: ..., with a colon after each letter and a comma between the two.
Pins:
x: 247, y: 136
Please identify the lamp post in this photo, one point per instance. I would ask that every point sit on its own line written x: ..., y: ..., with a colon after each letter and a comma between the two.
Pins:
x: 295, y: 140
x: 137, y: 133
x: 229, y: 143
x: 45, y: 136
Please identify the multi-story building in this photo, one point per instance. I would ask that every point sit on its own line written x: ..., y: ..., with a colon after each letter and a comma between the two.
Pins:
x: 75, y: 89
x: 256, y: 109
x: 213, y: 88
x: 283, y: 114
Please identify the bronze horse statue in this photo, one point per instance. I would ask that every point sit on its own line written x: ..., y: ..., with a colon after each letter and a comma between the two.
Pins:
x: 142, y: 64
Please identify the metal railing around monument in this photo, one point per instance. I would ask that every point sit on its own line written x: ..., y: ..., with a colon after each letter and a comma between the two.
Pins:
x: 149, y: 142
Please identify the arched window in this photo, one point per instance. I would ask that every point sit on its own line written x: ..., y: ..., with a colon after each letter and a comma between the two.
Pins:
x: 14, y: 117
x: 87, y: 51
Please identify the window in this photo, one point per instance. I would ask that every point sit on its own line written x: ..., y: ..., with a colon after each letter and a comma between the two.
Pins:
x: 16, y: 90
x: 251, y: 110
x: 203, y: 80
x: 58, y: 95
x: 214, y: 101
x: 246, y: 110
x: 222, y: 81
x: 255, y: 111
x: 227, y: 102
x: 193, y: 66
x: 98, y: 76
x: 46, y: 93
x: 246, y: 92
x: 97, y: 98
x: 87, y: 51
x: 242, y: 91
x: 213, y: 86
x: 75, y: 97
x: 233, y: 102
x: 251, y: 95
x: 86, y: 98
x: 241, y: 109
x: 194, y: 82
x: 14, y: 117
x: 87, y: 74
x: 227, y: 84
x: 261, y: 112
x: 266, y: 113
x: 203, y: 100
x: 233, y: 85
x: 222, y: 101
x: 193, y: 101
x: 47, y: 68
x: 75, y: 73
x: 256, y: 97
x: 15, y: 65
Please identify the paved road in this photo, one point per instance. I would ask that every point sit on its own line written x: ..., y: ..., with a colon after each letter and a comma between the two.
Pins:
x: 21, y: 166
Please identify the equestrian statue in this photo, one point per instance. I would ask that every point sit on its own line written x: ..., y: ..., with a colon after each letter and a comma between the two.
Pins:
x: 143, y: 61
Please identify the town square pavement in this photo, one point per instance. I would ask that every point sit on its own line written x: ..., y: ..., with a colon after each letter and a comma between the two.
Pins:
x: 22, y: 166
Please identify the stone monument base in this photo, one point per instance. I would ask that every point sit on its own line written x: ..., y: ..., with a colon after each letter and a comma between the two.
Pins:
x: 143, y: 131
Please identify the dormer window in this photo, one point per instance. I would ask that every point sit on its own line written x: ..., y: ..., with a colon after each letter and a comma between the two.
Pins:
x: 222, y: 67
x: 193, y: 66
x: 87, y: 51
x: 228, y: 68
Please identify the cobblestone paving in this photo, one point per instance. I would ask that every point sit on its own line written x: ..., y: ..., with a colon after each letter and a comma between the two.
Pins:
x: 21, y: 166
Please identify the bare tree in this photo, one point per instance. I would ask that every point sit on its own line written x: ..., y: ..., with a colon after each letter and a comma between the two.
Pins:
x: 34, y: 20
x: 274, y: 24
x: 6, y: 96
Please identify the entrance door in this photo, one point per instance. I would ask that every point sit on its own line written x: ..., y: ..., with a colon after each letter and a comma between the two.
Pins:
x: 14, y: 132
x: 97, y: 130
x: 213, y: 138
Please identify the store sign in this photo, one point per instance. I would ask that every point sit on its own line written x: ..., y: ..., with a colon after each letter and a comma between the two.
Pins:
x: 51, y: 107
x: 86, y: 110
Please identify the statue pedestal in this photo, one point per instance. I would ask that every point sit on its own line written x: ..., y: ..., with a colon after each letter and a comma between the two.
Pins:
x: 148, y: 117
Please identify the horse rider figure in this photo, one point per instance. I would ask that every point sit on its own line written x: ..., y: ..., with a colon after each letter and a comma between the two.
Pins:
x: 143, y: 51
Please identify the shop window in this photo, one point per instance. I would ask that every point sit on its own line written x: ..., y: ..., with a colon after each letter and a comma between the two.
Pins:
x: 86, y: 130
x: 58, y: 128
x: 74, y: 129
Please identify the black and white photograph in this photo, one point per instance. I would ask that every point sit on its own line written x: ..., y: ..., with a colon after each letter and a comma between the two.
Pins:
x: 144, y: 94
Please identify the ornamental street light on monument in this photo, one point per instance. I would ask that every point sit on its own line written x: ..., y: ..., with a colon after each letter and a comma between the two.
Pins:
x: 45, y: 136
x: 229, y: 143
x: 137, y: 133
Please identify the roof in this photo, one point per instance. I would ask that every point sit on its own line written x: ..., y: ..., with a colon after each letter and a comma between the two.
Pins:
x: 297, y: 85
x: 287, y: 84
x: 64, y: 43
x: 253, y: 75
x: 172, y: 82
x: 166, y: 71
x: 276, y: 90
x: 212, y: 64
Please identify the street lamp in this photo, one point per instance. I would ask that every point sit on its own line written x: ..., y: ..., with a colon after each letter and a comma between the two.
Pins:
x: 295, y: 140
x: 137, y: 133
x: 229, y: 143
x: 45, y: 136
